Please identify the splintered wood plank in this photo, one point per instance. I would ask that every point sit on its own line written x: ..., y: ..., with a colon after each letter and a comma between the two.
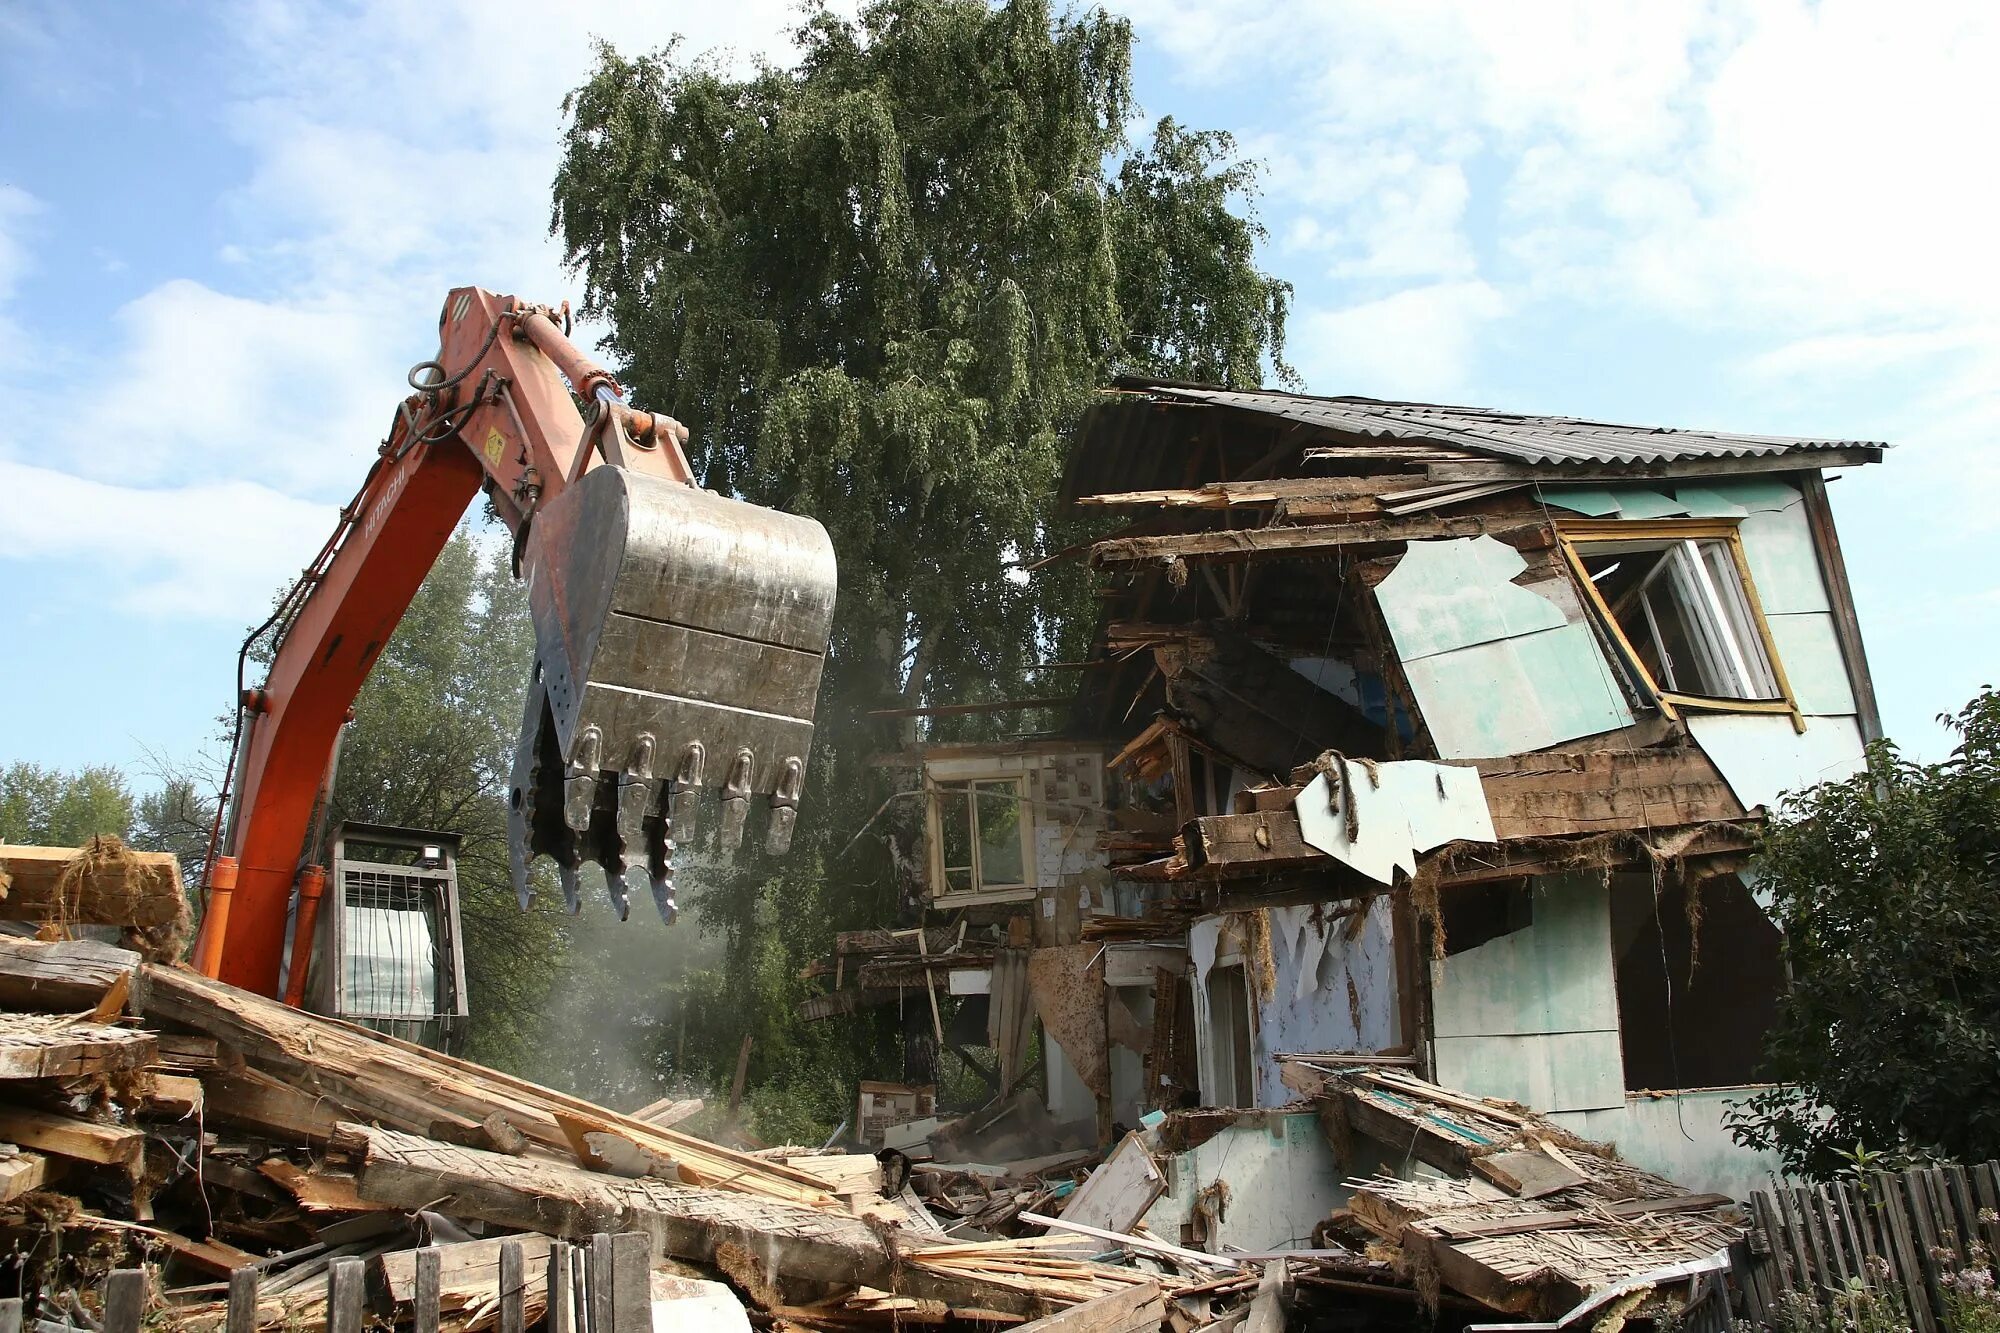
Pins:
x: 171, y: 1096
x: 321, y: 1191
x: 67, y: 1136
x: 62, y: 975
x: 260, y: 1103
x: 1138, y: 1307
x: 51, y: 1046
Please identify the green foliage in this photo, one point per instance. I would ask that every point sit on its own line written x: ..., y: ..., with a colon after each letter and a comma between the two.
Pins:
x: 49, y: 807
x: 880, y: 286
x: 1887, y: 887
x: 431, y: 747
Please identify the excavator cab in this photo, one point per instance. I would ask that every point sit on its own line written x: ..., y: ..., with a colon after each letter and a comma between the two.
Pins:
x: 679, y: 637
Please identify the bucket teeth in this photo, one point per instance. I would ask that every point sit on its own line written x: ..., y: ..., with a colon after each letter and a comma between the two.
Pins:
x: 785, y: 808
x: 580, y: 780
x: 572, y: 891
x: 736, y: 801
x: 660, y: 861
x: 687, y: 791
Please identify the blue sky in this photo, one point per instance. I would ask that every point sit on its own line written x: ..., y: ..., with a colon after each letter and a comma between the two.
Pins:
x: 225, y: 230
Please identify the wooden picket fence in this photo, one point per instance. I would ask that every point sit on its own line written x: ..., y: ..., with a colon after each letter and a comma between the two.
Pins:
x: 599, y: 1287
x: 1916, y: 1226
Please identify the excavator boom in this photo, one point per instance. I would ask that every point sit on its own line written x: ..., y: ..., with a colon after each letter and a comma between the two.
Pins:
x: 679, y: 634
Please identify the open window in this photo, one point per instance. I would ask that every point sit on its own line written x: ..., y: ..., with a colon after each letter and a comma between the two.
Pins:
x: 1231, y: 1081
x: 1677, y: 597
x: 979, y: 832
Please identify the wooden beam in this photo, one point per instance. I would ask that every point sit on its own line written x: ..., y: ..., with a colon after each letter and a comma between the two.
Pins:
x: 1254, y: 543
x: 67, y: 1136
x: 27, y: 1171
x: 63, y: 976
x: 47, y: 1046
x: 106, y: 884
x: 1553, y: 794
x: 1139, y: 1308
x: 358, y: 1072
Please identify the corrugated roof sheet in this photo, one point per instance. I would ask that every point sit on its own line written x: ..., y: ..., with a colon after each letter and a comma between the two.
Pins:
x: 1513, y: 435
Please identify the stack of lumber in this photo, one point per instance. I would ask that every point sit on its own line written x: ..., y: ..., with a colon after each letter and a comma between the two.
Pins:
x: 1531, y: 1220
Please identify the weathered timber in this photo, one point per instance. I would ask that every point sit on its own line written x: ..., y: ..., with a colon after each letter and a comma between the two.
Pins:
x: 59, y: 975
x: 170, y: 1096
x: 257, y: 1102
x: 1137, y: 1309
x: 668, y: 1111
x: 790, y: 1240
x: 49, y: 1046
x: 67, y: 1136
x: 1559, y: 1220
x: 74, y: 885
x: 25, y: 1172
x: 367, y: 1074
x: 1554, y: 794
x: 1256, y: 543
x: 468, y: 1271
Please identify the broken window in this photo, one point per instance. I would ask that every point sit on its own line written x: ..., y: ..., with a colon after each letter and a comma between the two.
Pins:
x: 1677, y: 597
x: 1474, y: 914
x: 1698, y: 985
x: 979, y: 834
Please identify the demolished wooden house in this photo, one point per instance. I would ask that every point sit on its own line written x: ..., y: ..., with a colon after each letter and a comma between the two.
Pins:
x: 1422, y: 738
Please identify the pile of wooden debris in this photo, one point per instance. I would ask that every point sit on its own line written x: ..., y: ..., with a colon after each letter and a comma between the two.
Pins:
x: 160, y: 1118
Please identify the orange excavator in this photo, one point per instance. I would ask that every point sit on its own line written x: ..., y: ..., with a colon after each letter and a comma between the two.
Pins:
x: 679, y: 637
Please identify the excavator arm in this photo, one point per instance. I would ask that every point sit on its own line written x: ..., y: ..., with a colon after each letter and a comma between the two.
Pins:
x: 679, y: 634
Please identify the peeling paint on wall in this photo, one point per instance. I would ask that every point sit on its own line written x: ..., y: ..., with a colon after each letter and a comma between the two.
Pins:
x: 1334, y: 987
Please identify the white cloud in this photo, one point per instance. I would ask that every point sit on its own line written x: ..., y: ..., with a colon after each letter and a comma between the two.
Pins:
x: 1418, y: 343
x: 395, y: 151
x: 217, y: 549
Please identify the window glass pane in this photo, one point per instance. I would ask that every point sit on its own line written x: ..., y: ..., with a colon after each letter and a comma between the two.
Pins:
x: 1682, y: 606
x: 390, y: 964
x: 954, y: 826
x: 999, y: 811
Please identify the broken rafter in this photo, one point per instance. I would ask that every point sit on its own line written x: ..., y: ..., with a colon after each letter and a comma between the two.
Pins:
x: 1253, y: 543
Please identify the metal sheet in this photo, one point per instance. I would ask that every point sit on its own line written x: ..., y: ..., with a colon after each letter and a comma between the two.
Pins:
x: 1529, y: 438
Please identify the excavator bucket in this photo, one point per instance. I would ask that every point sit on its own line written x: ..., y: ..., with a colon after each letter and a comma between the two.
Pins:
x: 679, y: 640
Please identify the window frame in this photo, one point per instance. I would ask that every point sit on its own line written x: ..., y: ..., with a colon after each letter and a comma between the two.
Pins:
x: 1576, y: 536
x: 934, y: 788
